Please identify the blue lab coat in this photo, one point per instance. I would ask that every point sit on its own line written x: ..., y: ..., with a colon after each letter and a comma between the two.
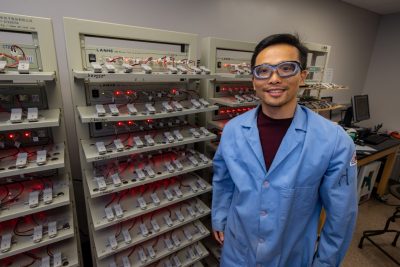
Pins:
x: 270, y: 217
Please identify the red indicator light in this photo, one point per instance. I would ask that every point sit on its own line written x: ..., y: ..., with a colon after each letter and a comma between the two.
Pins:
x: 11, y: 136
x: 120, y: 124
x: 142, y: 189
x: 130, y: 92
x: 130, y: 123
x: 27, y: 134
x: 37, y: 187
x: 118, y: 93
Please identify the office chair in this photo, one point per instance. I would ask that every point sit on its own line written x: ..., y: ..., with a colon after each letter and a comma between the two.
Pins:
x: 395, y: 191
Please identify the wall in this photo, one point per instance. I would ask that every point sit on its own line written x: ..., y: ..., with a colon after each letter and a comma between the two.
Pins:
x: 382, y: 82
x: 349, y: 30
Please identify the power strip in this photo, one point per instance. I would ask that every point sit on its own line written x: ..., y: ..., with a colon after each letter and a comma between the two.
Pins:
x: 100, y: 129
x: 26, y: 96
x: 122, y: 93
x: 25, y: 138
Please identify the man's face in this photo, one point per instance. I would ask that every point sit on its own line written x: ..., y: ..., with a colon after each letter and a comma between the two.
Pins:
x: 276, y: 91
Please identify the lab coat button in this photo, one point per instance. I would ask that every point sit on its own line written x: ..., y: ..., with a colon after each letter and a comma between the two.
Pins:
x: 266, y: 184
x: 263, y: 213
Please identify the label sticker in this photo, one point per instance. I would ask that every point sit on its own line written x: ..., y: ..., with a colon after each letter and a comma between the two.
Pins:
x: 353, y: 160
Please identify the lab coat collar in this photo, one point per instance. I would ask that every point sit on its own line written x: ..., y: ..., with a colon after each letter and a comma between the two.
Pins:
x: 293, y: 136
x: 299, y: 119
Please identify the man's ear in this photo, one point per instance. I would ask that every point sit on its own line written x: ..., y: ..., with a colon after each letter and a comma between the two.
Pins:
x: 303, y: 75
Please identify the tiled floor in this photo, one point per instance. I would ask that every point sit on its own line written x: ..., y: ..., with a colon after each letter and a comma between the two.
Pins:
x: 372, y: 216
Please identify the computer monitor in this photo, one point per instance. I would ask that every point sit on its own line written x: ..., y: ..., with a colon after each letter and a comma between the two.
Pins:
x: 360, y: 108
x: 358, y: 111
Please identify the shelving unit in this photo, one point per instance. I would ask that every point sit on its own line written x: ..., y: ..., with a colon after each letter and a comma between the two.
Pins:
x: 141, y: 167
x: 37, y: 206
x: 310, y: 93
x: 232, y: 89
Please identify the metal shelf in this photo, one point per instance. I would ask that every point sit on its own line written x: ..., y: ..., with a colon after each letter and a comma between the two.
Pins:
x: 47, y: 118
x: 315, y: 69
x: 162, y: 251
x: 92, y: 154
x: 90, y: 76
x: 97, y: 205
x: 22, y: 244
x: 329, y: 109
x: 311, y: 82
x: 324, y: 89
x: 104, y: 249
x: 236, y: 77
x: 67, y: 249
x: 33, y: 77
x: 129, y: 181
x: 88, y: 114
x: 232, y: 102
x: 21, y: 207
x: 194, y: 263
x: 218, y: 124
x: 182, y: 255
x: 54, y: 161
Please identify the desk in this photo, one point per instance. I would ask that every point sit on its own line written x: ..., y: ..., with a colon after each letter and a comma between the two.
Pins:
x: 386, y: 149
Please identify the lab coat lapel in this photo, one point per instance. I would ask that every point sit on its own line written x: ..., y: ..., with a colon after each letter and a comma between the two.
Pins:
x: 293, y: 137
x: 252, y: 136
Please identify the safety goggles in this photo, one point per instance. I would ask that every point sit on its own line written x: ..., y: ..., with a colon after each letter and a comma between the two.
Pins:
x: 284, y: 69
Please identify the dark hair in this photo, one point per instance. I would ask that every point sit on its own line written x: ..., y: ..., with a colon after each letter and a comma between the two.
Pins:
x: 282, y: 38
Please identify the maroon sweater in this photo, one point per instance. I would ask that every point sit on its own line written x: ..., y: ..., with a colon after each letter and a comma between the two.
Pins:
x: 271, y: 133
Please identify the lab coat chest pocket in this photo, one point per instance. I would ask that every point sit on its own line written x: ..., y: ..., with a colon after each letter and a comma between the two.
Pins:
x: 297, y: 202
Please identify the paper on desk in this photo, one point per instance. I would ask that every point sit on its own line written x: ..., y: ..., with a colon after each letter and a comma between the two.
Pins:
x: 364, y: 148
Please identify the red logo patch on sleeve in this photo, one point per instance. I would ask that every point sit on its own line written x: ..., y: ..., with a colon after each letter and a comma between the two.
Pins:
x: 353, y: 160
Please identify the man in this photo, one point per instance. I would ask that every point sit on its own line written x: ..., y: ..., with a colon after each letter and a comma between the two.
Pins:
x: 276, y: 166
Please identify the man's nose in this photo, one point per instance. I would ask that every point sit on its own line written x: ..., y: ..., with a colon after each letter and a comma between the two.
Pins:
x: 275, y: 78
